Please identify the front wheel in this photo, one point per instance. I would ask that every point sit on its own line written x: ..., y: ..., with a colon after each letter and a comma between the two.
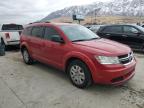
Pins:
x: 143, y: 49
x: 26, y: 57
x: 79, y: 74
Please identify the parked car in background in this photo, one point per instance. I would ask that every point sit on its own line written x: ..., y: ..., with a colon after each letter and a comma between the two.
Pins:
x: 87, y: 26
x: 132, y: 35
x: 143, y: 26
x: 10, y: 34
x: 79, y: 52
x: 95, y: 28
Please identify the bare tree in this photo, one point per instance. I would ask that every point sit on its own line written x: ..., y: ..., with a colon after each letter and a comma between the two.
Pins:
x: 96, y: 13
x: 141, y: 4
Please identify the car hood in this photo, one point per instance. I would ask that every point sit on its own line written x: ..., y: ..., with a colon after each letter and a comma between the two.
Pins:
x: 104, y: 46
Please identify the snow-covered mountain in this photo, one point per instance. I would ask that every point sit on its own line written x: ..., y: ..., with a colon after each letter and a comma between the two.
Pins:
x: 115, y: 8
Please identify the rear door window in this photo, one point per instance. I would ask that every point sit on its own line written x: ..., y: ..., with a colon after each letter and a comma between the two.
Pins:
x: 113, y: 29
x: 38, y: 32
x: 12, y: 27
x: 50, y: 32
x: 27, y: 31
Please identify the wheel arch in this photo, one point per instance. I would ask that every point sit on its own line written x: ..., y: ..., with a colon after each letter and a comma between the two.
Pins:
x: 24, y: 45
x: 82, y: 57
x: 69, y: 60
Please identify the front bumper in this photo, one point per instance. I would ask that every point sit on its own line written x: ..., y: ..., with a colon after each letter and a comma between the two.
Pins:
x: 115, y: 74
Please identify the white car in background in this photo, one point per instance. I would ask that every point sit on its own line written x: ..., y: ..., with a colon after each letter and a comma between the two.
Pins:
x: 10, y: 34
x: 95, y: 28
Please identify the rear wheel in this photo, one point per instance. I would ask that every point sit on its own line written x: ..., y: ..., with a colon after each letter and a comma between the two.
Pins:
x: 79, y: 74
x: 3, y: 44
x: 26, y: 56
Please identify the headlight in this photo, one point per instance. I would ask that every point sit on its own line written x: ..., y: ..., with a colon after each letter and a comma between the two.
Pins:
x: 107, y: 60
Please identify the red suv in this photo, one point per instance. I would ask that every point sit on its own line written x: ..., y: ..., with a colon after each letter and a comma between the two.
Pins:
x: 79, y: 52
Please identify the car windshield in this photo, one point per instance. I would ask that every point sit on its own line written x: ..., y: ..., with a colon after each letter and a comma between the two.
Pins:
x: 78, y: 33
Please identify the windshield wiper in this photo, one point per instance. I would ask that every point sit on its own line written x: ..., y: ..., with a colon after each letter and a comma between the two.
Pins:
x: 79, y: 40
x: 85, y: 39
x: 94, y: 38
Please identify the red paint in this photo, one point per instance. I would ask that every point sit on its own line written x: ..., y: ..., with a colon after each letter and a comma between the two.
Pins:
x: 57, y: 55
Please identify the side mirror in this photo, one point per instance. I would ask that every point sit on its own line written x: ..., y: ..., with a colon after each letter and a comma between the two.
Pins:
x: 137, y: 32
x: 57, y: 38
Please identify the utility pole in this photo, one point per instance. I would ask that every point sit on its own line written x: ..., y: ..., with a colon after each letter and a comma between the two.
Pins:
x: 79, y: 21
x: 140, y: 9
x: 123, y: 11
x: 95, y: 16
x: 91, y: 19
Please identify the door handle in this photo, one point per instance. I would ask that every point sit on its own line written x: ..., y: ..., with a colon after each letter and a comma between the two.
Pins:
x: 124, y: 36
x: 108, y: 34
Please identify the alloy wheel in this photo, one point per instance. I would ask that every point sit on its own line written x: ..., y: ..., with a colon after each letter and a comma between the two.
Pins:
x: 77, y: 74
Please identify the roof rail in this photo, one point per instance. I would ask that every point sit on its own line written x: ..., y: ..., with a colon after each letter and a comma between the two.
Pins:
x: 40, y: 22
x: 47, y: 22
x: 43, y: 21
x: 34, y: 22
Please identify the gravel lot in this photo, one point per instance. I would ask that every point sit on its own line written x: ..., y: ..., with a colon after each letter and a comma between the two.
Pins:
x: 40, y: 86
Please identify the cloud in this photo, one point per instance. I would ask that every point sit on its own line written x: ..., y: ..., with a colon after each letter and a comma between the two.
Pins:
x: 20, y: 11
x: 25, y: 11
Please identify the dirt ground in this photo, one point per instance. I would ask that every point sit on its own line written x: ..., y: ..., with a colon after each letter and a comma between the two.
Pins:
x: 103, y: 20
x: 40, y: 86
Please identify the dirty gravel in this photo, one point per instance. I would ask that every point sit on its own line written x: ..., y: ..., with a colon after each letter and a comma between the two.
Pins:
x: 40, y: 86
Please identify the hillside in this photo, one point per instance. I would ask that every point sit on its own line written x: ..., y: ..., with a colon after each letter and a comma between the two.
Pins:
x: 134, y: 8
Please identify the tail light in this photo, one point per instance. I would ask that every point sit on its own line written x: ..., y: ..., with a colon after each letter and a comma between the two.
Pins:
x: 20, y: 32
x: 7, y: 35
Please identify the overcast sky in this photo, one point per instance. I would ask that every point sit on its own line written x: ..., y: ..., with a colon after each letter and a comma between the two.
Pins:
x: 25, y: 11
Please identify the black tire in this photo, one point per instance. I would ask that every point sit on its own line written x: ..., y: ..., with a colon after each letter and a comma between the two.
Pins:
x: 86, y: 80
x: 2, y: 49
x: 26, y: 57
x: 143, y: 49
x: 3, y: 44
x: 17, y: 46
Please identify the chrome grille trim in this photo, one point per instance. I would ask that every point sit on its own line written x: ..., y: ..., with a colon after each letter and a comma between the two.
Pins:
x: 126, y: 59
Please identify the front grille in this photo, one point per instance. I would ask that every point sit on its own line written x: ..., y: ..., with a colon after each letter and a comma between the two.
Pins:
x: 123, y: 56
x: 125, y: 59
